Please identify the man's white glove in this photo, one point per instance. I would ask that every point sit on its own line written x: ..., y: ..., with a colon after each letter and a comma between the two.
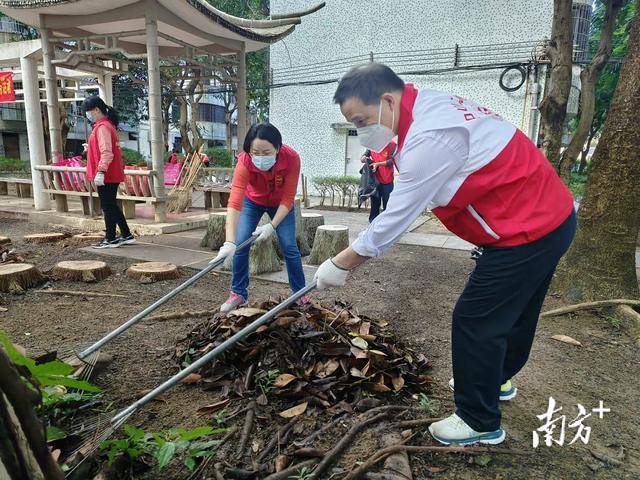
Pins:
x: 264, y: 232
x: 329, y: 275
x: 99, y: 180
x: 227, y: 251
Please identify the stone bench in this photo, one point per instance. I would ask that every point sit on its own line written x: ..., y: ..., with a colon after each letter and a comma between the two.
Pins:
x: 21, y: 186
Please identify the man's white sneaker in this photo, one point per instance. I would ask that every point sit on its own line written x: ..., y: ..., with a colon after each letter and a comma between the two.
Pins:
x: 454, y: 431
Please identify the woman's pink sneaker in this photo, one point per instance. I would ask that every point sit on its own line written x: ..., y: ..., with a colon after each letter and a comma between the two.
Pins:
x: 305, y: 300
x: 234, y: 301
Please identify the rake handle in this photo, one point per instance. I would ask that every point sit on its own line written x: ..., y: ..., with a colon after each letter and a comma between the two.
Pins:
x: 253, y: 326
x: 135, y: 319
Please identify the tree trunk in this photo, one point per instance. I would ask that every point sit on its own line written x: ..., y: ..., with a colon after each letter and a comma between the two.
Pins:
x: 82, y: 270
x: 588, y: 80
x: 310, y: 222
x: 553, y: 108
x: 601, y: 262
x: 149, y: 272
x: 23, y: 448
x: 216, y: 231
x: 330, y: 240
x: 263, y: 257
x: 17, y: 277
x: 301, y: 239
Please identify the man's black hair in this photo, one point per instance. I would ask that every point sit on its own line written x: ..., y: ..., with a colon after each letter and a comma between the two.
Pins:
x: 368, y: 83
x: 263, y: 131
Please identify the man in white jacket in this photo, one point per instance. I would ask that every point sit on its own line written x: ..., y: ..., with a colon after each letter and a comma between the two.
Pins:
x: 487, y: 183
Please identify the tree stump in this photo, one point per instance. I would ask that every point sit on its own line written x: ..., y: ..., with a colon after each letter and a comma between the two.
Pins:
x: 310, y: 222
x: 82, y: 270
x: 301, y: 238
x: 5, y: 240
x: 44, y: 237
x: 89, y: 236
x: 149, y: 272
x: 330, y: 240
x: 17, y: 277
x: 263, y: 256
x: 216, y: 231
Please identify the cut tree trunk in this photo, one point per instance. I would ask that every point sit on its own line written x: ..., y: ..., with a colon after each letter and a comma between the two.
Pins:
x: 23, y: 447
x: 149, y: 272
x: 601, y: 261
x: 330, y: 240
x: 263, y: 257
x: 17, y: 277
x: 82, y: 270
x: 631, y: 321
x: 89, y: 236
x: 301, y: 238
x: 310, y: 222
x: 44, y: 237
x: 553, y: 108
x: 5, y: 240
x: 216, y: 231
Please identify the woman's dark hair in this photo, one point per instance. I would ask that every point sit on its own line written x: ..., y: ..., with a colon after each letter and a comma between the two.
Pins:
x: 263, y: 131
x: 94, y: 101
x: 368, y: 83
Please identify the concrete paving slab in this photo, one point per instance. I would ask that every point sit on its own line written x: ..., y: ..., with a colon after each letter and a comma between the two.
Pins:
x: 425, y: 240
x: 456, y: 243
x: 154, y: 253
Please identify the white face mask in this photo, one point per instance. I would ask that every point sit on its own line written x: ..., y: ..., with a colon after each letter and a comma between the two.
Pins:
x: 89, y: 116
x: 376, y: 137
x: 264, y: 162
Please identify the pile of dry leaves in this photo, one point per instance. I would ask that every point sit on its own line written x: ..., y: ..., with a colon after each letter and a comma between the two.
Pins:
x: 308, y: 355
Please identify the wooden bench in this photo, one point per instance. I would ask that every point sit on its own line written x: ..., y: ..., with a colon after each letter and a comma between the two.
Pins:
x: 22, y: 186
x: 215, y: 183
x: 63, y: 182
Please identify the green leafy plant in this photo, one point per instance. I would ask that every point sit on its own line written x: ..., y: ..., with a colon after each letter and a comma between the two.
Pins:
x: 267, y: 379
x: 187, y: 357
x: 340, y: 190
x: 131, y: 157
x: 429, y: 405
x: 14, y: 165
x: 219, y: 157
x: 303, y: 474
x: 162, y: 447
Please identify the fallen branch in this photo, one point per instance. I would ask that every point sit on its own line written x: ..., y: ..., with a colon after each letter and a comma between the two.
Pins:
x: 248, y: 425
x: 632, y: 325
x: 606, y: 458
x: 286, y: 473
x: 180, y: 315
x: 334, y: 454
x: 384, y: 452
x: 590, y: 305
x: 318, y: 432
x: 275, y: 440
x: 81, y: 294
x: 419, y: 422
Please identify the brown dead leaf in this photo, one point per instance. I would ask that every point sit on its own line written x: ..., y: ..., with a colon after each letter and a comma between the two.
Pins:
x: 358, y: 353
x: 330, y: 367
x: 295, y: 411
x: 357, y: 373
x: 380, y: 323
x: 365, y: 369
x: 282, y: 462
x: 398, y: 383
x: 262, y: 400
x: 212, y: 407
x: 368, y: 338
x: 247, y: 312
x: 2, y: 309
x: 262, y: 328
x: 364, y: 328
x: 377, y: 387
x: 566, y: 339
x: 56, y: 454
x: 191, y: 378
x: 284, y: 380
x: 206, y: 348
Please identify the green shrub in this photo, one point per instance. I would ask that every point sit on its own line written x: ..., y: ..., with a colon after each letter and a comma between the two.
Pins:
x: 131, y: 157
x: 340, y: 189
x: 577, y: 184
x: 219, y: 157
x: 14, y: 165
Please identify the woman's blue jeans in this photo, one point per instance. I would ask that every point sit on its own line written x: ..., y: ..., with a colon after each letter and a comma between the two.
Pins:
x: 286, y: 231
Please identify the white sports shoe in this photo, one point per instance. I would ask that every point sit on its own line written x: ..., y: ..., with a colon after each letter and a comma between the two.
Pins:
x: 454, y: 431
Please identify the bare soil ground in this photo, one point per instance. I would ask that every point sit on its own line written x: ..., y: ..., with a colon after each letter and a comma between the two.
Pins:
x: 414, y: 289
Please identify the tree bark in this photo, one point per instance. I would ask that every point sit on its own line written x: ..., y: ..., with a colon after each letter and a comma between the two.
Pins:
x: 553, y: 108
x: 82, y: 270
x: 330, y: 240
x: 149, y: 272
x: 588, y: 79
x: 263, y: 257
x: 17, y: 277
x: 310, y: 223
x: 601, y: 262
x: 215, y: 236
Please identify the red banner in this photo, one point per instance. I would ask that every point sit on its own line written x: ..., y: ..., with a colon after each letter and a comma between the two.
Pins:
x: 7, y: 92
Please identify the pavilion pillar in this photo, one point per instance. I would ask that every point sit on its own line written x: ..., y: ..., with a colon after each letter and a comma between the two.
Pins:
x: 35, y: 131
x: 155, y: 107
x: 105, y: 88
x: 242, y: 95
x: 51, y: 86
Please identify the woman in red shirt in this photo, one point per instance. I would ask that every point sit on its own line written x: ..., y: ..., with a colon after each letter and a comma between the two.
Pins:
x: 265, y: 180
x: 382, y: 166
x: 106, y: 169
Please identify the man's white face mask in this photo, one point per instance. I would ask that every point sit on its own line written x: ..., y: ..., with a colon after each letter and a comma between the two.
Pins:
x: 376, y: 137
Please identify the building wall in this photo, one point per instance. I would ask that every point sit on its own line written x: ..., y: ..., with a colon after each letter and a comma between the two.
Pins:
x: 345, y: 28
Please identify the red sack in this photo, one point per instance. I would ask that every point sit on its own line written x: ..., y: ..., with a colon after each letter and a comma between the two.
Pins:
x: 172, y: 173
x: 71, y: 181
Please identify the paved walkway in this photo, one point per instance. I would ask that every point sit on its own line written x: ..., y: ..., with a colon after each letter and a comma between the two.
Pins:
x: 183, y: 248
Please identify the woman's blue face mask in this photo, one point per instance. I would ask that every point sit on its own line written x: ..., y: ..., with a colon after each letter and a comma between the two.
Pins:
x: 264, y: 162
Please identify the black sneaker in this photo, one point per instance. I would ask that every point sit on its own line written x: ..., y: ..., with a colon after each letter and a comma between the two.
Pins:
x: 128, y: 240
x: 104, y: 243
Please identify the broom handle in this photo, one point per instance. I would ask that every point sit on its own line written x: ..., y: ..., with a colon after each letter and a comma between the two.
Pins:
x: 252, y: 327
x: 135, y: 319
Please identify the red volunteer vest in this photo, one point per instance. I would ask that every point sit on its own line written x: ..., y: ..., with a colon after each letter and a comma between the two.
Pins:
x: 115, y: 172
